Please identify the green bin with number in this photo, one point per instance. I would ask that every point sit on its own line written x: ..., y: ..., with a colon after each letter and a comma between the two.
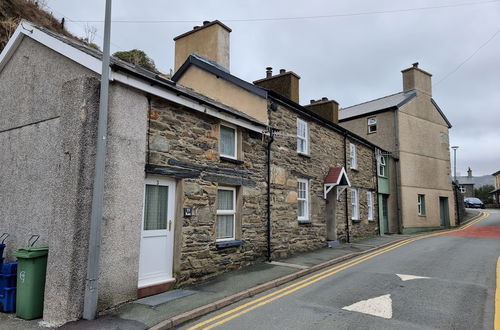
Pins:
x: 31, y: 271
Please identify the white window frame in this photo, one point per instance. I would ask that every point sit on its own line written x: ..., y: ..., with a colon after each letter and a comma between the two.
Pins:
x: 304, y: 138
x: 235, y: 141
x: 382, y: 166
x: 227, y: 212
x: 354, y: 204
x: 421, y: 204
x: 369, y: 202
x: 372, y: 124
x: 352, y: 156
x: 305, y: 217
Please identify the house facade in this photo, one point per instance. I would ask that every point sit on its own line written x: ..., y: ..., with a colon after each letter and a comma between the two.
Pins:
x: 467, y: 184
x: 496, y: 192
x: 414, y: 130
x: 199, y: 180
x: 306, y: 142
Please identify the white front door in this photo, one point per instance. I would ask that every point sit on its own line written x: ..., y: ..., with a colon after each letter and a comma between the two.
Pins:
x: 157, y: 243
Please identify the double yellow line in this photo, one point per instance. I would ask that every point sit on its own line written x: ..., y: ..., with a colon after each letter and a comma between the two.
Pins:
x: 255, y: 303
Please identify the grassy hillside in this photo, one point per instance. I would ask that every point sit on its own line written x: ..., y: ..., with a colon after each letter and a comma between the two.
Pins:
x: 12, y: 11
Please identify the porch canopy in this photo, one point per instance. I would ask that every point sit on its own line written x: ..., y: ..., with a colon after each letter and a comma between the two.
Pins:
x: 336, y: 177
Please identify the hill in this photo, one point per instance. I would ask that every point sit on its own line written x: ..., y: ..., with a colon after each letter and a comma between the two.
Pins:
x: 12, y: 11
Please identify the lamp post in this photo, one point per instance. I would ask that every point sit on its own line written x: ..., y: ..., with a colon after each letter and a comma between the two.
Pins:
x: 454, y: 163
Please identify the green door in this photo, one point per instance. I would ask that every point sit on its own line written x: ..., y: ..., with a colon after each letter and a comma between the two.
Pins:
x: 443, y: 212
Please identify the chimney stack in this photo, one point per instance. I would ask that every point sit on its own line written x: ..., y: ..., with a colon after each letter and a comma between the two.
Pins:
x: 285, y: 83
x: 326, y: 109
x: 469, y: 173
x: 211, y: 40
x: 415, y: 78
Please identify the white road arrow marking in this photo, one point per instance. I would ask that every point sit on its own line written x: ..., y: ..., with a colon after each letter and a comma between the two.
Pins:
x: 379, y: 306
x: 410, y: 277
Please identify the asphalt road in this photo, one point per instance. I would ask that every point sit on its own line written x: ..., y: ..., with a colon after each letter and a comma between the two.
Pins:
x: 445, y: 281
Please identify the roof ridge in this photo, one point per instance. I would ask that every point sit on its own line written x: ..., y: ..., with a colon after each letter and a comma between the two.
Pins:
x: 380, y: 98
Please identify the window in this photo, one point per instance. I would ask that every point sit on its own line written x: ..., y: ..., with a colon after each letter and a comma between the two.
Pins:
x: 372, y: 125
x: 421, y: 204
x: 303, y: 199
x: 226, y: 212
x: 156, y: 207
x: 228, y: 141
x: 354, y: 204
x: 302, y: 140
x: 369, y: 201
x: 352, y: 153
x: 382, y: 166
x: 462, y: 189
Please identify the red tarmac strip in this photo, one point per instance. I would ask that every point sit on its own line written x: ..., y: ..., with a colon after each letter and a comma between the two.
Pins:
x: 478, y: 231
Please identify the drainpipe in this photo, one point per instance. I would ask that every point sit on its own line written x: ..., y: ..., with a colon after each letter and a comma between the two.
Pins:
x: 346, y: 204
x: 271, y: 140
x: 376, y: 193
x: 398, y: 170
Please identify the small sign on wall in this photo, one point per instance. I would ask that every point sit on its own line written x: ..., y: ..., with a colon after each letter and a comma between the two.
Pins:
x: 188, y: 212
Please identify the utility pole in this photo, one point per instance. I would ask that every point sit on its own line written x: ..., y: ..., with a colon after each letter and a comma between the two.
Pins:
x: 91, y: 283
x: 454, y: 163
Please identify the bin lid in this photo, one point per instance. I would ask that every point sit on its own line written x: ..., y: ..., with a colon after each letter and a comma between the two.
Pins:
x: 31, y: 252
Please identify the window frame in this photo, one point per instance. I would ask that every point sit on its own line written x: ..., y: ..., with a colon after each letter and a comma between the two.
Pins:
x: 304, y: 138
x: 226, y: 212
x: 235, y: 129
x: 353, y: 158
x: 421, y: 205
x: 354, y: 204
x: 382, y: 166
x: 305, y: 217
x: 369, y: 202
x: 370, y: 126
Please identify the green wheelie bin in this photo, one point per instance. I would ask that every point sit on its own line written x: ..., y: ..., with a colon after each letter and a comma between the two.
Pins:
x: 31, y: 271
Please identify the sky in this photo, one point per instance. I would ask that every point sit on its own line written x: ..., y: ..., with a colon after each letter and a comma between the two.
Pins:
x: 352, y: 51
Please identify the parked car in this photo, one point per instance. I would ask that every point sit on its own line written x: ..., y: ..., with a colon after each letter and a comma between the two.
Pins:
x: 473, y: 202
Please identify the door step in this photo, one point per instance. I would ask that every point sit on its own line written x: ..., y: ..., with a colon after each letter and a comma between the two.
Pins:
x: 331, y: 244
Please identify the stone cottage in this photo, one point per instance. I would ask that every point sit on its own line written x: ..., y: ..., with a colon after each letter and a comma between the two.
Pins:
x: 306, y: 145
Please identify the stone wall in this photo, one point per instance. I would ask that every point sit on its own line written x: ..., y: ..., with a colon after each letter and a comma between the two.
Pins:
x: 185, y: 144
x: 326, y: 150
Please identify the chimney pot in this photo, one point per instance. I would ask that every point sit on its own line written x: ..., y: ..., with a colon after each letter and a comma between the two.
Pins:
x: 196, y: 27
x: 324, y: 98
x: 269, y: 72
x: 312, y: 101
x: 415, y: 65
x: 206, y: 22
x: 282, y: 71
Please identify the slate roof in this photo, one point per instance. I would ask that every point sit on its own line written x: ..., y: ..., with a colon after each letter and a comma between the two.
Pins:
x: 152, y: 77
x: 393, y: 101
x: 386, y: 103
x: 219, y: 71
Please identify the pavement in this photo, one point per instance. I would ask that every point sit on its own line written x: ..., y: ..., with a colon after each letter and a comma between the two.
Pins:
x: 173, y: 308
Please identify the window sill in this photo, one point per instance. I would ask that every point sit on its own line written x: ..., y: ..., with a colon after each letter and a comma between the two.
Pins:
x: 304, y: 222
x: 304, y: 155
x: 354, y: 169
x: 422, y: 215
x: 230, y: 160
x: 227, y: 244
x: 356, y: 220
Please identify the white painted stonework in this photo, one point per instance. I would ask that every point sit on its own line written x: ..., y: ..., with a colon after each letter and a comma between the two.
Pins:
x: 379, y: 306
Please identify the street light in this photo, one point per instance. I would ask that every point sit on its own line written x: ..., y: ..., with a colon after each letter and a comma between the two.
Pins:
x: 454, y: 163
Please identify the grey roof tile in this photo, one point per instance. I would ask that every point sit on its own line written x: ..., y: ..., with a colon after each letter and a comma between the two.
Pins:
x: 386, y: 102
